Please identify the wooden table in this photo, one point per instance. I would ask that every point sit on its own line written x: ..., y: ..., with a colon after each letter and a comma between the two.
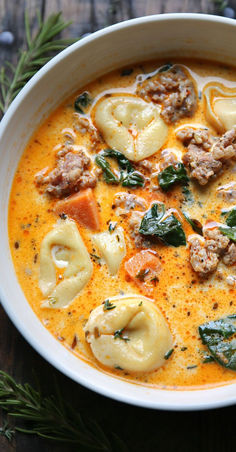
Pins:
x: 142, y: 429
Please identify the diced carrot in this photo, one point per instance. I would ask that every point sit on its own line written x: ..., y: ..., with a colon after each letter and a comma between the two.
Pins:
x: 82, y: 207
x: 143, y: 269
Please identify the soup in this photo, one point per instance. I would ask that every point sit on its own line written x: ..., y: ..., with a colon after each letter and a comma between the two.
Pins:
x: 122, y: 224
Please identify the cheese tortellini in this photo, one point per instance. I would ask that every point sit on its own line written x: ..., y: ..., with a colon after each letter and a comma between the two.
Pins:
x: 220, y: 107
x: 129, y: 333
x: 62, y: 248
x: 111, y: 245
x: 131, y: 125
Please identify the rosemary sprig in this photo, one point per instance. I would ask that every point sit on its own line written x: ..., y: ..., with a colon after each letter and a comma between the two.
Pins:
x: 53, y: 418
x: 38, y: 52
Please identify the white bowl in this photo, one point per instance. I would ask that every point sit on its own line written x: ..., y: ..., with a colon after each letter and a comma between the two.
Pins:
x: 207, y: 37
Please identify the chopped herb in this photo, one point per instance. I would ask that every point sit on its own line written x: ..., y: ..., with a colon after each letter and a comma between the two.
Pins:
x: 118, y: 368
x: 183, y: 349
x: 172, y: 175
x: 112, y: 227
x: 126, y: 72
x: 142, y: 273
x: 119, y: 335
x: 155, y: 280
x: 140, y: 304
x: 74, y: 343
x: 169, y: 353
x: 196, y: 225
x: 108, y: 306
x: 131, y: 178
x: 169, y: 230
x: 207, y: 359
x: 165, y: 68
x: 188, y: 197
x: 94, y: 256
x: 218, y: 336
x: 82, y: 102
x: 63, y: 216
x: 192, y: 367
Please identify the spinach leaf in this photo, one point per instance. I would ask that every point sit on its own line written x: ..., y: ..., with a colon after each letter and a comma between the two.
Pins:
x: 196, y: 225
x: 82, y: 101
x: 230, y: 229
x: 215, y: 335
x: 108, y: 175
x: 122, y: 161
x: 229, y: 232
x: 169, y: 230
x: 170, y: 175
x: 131, y: 178
x: 231, y: 219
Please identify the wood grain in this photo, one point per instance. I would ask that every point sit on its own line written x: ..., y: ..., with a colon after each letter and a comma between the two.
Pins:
x: 144, y: 430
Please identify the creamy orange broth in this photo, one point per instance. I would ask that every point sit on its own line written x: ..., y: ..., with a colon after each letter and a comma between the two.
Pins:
x: 185, y: 301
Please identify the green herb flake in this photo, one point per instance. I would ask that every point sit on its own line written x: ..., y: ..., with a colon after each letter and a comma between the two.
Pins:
x: 141, y: 303
x: 219, y: 337
x: 108, y: 306
x: 188, y: 196
x: 142, y: 273
x: 168, y: 230
x: 207, y: 359
x: 183, y: 349
x: 192, y: 367
x: 119, y: 335
x: 168, y: 354
x: 118, y: 368
x: 82, y: 102
x: 112, y: 227
x: 94, y: 256
x: 172, y: 175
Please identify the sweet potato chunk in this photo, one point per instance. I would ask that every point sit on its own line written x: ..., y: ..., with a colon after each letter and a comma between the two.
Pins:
x: 82, y: 207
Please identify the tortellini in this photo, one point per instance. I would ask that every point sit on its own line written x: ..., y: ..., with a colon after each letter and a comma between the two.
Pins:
x: 131, y: 125
x: 220, y: 107
x: 111, y: 245
x: 63, y: 247
x: 132, y: 334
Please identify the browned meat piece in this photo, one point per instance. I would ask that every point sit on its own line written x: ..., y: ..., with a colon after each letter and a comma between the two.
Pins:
x: 225, y: 147
x: 145, y: 165
x: 230, y: 255
x: 129, y: 202
x: 70, y: 175
x: 199, y: 137
x: 202, y: 162
x: 134, y: 224
x: 202, y: 260
x: 215, y: 241
x: 206, y: 252
x: 83, y: 125
x: 174, y: 90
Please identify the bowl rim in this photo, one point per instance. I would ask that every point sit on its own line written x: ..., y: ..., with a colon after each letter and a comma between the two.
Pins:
x: 108, y: 392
